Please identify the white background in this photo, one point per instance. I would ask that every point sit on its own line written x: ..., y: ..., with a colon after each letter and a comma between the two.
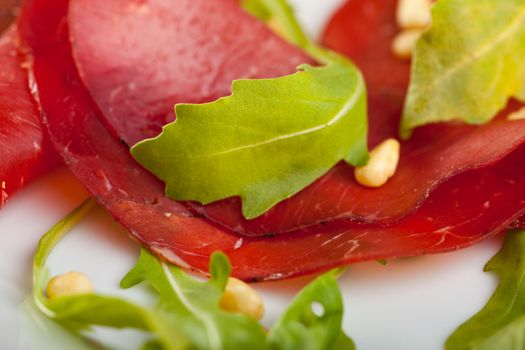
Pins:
x: 410, y: 304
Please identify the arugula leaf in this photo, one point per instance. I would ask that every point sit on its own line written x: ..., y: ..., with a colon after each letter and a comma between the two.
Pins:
x: 267, y: 141
x: 179, y: 322
x: 279, y: 14
x: 80, y: 312
x: 313, y: 319
x: 257, y: 9
x: 272, y: 137
x: 39, y: 332
x: 501, y: 323
x: 195, y: 304
x: 280, y: 17
x: 468, y: 64
x: 188, y: 315
x: 46, y: 245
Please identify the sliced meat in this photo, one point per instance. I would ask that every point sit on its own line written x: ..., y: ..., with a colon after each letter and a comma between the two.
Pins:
x: 519, y: 223
x: 461, y: 212
x: 25, y: 152
x: 8, y: 12
x: 138, y: 59
x: 434, y: 155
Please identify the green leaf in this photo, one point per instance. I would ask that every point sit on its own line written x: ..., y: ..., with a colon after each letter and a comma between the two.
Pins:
x: 80, y: 312
x: 501, y: 322
x: 313, y: 319
x: 267, y: 141
x: 58, y: 231
x: 188, y: 315
x: 196, y: 304
x: 257, y: 9
x: 272, y: 137
x: 280, y: 14
x: 46, y: 245
x: 344, y: 342
x: 39, y: 332
x: 468, y: 64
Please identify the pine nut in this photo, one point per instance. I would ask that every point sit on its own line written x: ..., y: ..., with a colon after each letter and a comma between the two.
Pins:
x: 414, y: 14
x: 240, y: 297
x: 71, y: 283
x: 517, y: 115
x: 405, y: 42
x: 381, y: 166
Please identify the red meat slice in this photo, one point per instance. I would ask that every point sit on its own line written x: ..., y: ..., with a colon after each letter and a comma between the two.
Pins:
x: 519, y: 223
x: 24, y: 151
x: 8, y: 11
x: 462, y: 211
x: 138, y: 59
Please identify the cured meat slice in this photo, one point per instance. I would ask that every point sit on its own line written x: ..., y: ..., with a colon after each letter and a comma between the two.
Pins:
x: 519, y: 223
x: 136, y: 70
x: 8, y: 11
x: 434, y: 155
x: 25, y: 153
x: 139, y: 58
x: 456, y: 215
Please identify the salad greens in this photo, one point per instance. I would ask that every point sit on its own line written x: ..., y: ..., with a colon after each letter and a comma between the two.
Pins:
x: 271, y: 138
x: 257, y: 9
x: 279, y: 15
x: 268, y: 141
x: 306, y: 327
x: 501, y: 323
x: 468, y: 64
x: 192, y: 307
x: 187, y: 315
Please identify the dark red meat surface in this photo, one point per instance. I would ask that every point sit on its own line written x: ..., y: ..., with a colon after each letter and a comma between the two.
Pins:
x: 460, y: 212
x: 519, y: 223
x: 24, y: 151
x: 8, y: 12
x: 139, y: 58
x: 137, y: 70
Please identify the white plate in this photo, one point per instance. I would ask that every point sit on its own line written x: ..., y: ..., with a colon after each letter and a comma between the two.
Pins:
x: 410, y: 304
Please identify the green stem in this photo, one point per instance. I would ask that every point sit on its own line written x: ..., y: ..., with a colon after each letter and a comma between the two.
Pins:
x: 281, y: 12
x: 46, y: 245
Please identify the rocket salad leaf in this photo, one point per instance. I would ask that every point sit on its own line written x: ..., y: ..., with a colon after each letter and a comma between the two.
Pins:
x: 81, y: 312
x: 266, y: 142
x: 279, y: 15
x: 257, y: 9
x: 271, y: 138
x: 468, y: 64
x: 305, y: 328
x: 501, y: 323
x: 188, y: 315
x: 193, y: 306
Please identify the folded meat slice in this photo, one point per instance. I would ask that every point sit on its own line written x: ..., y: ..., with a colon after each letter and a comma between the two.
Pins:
x: 25, y: 152
x: 138, y: 59
x: 462, y: 211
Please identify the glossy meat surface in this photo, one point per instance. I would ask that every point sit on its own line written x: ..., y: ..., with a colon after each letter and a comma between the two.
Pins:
x: 462, y: 211
x: 138, y: 59
x: 25, y: 152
